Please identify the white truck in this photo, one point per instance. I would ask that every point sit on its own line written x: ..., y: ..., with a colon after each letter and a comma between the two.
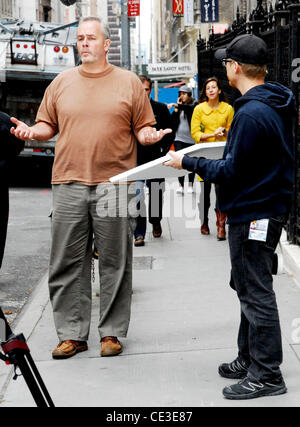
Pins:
x: 31, y: 56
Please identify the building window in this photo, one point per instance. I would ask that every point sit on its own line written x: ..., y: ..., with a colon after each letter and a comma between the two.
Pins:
x: 45, y: 10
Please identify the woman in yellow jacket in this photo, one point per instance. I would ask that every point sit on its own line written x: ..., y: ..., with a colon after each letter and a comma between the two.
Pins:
x: 210, y: 122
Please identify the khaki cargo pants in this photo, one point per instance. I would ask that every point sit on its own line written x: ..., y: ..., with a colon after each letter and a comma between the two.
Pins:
x: 79, y: 211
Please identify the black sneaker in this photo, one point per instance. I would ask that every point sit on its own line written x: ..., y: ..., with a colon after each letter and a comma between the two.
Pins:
x: 250, y: 388
x: 236, y: 370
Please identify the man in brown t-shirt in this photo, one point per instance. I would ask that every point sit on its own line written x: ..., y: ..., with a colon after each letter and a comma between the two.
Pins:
x: 99, y: 112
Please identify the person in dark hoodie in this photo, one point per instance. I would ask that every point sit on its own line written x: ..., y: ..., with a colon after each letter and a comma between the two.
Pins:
x: 10, y: 147
x: 256, y: 182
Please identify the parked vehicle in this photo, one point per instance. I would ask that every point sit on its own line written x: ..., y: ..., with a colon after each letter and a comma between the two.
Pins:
x: 31, y: 56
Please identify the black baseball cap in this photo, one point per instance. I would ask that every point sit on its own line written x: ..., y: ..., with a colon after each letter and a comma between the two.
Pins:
x: 246, y: 49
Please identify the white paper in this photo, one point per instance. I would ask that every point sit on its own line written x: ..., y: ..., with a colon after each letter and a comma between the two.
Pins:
x: 157, y: 169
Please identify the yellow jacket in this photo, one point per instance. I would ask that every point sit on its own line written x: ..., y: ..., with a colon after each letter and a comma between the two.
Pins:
x: 206, y: 120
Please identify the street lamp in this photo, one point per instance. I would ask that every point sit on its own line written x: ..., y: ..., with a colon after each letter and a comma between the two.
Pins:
x: 125, y: 28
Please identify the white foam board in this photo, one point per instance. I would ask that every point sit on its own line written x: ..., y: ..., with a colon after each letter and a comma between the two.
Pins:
x: 157, y: 169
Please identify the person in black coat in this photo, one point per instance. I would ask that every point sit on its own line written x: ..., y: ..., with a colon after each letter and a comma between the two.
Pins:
x: 146, y: 154
x: 10, y: 147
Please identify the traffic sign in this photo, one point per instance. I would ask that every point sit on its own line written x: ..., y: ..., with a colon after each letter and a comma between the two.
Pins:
x: 133, y: 8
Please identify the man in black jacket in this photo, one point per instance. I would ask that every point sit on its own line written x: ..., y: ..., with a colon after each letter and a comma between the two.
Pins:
x: 146, y: 154
x: 256, y: 183
x: 10, y: 147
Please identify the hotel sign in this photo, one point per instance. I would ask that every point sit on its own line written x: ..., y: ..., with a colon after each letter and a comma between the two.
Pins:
x: 178, y: 8
x: 172, y: 68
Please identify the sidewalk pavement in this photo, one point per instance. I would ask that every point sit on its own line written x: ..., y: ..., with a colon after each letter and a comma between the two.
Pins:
x: 184, y: 323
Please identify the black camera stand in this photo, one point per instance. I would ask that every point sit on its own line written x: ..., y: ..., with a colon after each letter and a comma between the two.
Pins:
x: 16, y: 352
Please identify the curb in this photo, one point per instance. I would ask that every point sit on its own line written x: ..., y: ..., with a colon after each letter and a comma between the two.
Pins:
x: 33, y: 309
x: 291, y: 258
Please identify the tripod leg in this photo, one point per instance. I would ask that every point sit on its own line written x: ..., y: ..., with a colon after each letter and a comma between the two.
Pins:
x: 17, y: 353
x: 40, y: 380
x: 30, y: 381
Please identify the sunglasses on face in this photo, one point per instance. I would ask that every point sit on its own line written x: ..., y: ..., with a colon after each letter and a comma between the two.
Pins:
x: 225, y: 61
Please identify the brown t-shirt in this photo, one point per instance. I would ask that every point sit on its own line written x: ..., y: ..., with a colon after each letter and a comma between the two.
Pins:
x: 97, y: 117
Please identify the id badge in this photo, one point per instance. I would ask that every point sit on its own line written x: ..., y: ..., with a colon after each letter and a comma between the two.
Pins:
x: 258, y: 230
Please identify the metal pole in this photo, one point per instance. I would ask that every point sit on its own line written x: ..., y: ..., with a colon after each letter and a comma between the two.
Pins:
x: 140, y: 48
x: 93, y: 7
x: 125, y: 36
x: 180, y: 50
x: 78, y: 10
x: 156, y: 90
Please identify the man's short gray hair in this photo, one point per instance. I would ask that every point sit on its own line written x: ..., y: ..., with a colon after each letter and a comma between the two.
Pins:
x: 104, y: 26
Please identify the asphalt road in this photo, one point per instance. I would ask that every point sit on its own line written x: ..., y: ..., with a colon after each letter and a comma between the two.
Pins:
x: 28, y: 239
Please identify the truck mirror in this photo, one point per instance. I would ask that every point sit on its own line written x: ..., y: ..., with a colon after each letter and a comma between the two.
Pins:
x: 68, y: 2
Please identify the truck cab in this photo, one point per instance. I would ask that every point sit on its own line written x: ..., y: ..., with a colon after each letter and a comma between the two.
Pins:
x: 32, y: 54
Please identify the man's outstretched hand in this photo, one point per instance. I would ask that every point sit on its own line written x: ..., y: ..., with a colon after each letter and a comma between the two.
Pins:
x: 149, y: 135
x: 22, y: 130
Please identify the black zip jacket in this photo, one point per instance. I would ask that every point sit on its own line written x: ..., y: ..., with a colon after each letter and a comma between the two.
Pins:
x: 188, y: 110
x: 10, y: 147
x: 147, y: 153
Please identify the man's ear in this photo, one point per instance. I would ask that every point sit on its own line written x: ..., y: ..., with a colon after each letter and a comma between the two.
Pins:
x: 237, y: 68
x: 106, y: 45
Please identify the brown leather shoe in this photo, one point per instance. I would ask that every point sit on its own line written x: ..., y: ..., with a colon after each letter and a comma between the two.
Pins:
x: 204, y: 228
x: 110, y: 346
x: 157, y: 231
x: 139, y: 241
x: 69, y: 348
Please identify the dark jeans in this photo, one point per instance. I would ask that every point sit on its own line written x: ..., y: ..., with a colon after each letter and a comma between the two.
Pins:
x: 179, y: 145
x: 259, y: 338
x: 204, y: 204
x: 156, y: 193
